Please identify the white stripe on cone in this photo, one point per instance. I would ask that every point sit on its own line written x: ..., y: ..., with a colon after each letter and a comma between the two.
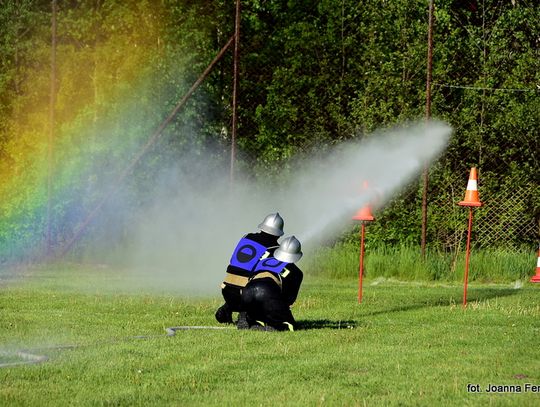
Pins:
x: 472, y: 185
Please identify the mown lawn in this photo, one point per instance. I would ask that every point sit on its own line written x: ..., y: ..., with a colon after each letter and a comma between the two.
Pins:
x: 407, y: 344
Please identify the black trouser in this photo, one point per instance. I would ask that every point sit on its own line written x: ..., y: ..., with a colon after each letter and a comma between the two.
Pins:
x: 231, y: 295
x: 263, y: 301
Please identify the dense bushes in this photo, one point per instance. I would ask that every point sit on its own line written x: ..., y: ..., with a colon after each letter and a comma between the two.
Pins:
x: 312, y: 73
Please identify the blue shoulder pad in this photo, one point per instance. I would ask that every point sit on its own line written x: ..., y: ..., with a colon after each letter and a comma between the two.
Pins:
x: 246, y: 254
x: 271, y: 264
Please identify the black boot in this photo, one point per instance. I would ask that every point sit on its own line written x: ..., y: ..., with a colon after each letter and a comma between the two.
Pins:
x: 242, y: 322
x: 224, y: 314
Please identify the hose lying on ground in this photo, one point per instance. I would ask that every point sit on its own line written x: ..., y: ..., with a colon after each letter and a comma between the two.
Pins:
x: 27, y: 358
x: 172, y: 330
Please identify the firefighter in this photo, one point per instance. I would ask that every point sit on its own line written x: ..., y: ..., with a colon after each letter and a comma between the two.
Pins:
x: 245, y: 257
x: 272, y: 290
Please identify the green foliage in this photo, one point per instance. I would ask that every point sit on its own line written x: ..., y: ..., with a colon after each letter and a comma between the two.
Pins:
x: 312, y: 74
x: 121, y: 68
x: 337, y: 70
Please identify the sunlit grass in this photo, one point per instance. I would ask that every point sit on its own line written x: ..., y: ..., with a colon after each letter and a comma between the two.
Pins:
x: 407, y: 343
x: 406, y: 263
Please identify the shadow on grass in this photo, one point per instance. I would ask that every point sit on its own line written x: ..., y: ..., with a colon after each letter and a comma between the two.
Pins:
x: 482, y: 294
x: 325, y: 324
x: 474, y: 295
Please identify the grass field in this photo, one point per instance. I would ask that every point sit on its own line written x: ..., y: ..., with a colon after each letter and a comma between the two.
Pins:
x: 408, y: 343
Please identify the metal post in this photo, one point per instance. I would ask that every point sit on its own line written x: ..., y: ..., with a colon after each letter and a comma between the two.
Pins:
x: 235, y: 89
x: 467, y: 256
x: 361, y: 262
x: 428, y: 116
x: 52, y: 102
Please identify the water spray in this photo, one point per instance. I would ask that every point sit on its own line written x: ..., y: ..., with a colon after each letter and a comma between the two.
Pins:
x: 317, y: 201
x: 389, y: 160
x: 180, y: 242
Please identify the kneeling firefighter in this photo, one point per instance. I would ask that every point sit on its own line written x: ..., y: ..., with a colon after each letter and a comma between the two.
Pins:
x: 242, y: 264
x: 271, y: 291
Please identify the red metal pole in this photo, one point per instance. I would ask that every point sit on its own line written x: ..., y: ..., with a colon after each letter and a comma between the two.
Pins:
x: 361, y: 266
x: 467, y: 255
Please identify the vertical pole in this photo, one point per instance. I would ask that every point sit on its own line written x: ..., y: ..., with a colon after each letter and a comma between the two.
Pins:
x: 52, y: 102
x: 467, y: 256
x: 428, y: 116
x: 361, y: 263
x: 235, y: 90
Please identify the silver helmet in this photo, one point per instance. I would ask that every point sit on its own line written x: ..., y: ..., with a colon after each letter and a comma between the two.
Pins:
x: 289, y: 250
x: 272, y: 224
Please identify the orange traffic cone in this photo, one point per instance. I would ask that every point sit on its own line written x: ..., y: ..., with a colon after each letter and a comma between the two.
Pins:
x: 364, y: 214
x: 471, y: 194
x: 536, y: 278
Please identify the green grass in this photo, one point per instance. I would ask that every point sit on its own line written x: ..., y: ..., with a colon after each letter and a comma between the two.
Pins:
x: 408, y: 343
x: 406, y: 263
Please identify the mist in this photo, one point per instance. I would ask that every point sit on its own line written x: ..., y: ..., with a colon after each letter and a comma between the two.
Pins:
x: 185, y: 239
